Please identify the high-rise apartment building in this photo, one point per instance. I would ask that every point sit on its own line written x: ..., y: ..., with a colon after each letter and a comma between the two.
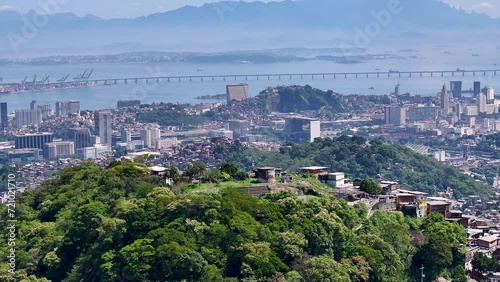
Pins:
x: 67, y: 108
x: 27, y: 117
x: 490, y: 94
x: 445, y: 101
x: 481, y: 103
x: 150, y: 137
x: 395, y: 115
x: 103, y: 122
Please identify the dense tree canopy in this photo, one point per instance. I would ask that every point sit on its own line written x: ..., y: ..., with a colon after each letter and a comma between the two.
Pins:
x: 121, y: 224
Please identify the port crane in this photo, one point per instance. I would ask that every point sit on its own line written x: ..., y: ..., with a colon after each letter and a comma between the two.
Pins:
x: 23, y: 82
x: 81, y: 76
x: 89, y: 74
x: 45, y: 80
x: 63, y: 79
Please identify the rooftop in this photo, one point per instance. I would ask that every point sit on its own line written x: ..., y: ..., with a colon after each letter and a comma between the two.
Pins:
x: 437, y: 203
x: 314, y: 168
x: 489, y: 239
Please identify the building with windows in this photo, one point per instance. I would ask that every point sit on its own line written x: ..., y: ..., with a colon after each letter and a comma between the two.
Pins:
x: 19, y: 155
x: 4, y: 119
x: 82, y: 138
x: 445, y: 101
x: 481, y: 103
x: 456, y: 88
x: 239, y: 128
x: 237, y: 92
x: 423, y: 113
x: 30, y: 141
x: 490, y: 94
x: 57, y: 149
x: 96, y: 152
x: 395, y: 115
x: 128, y: 103
x: 67, y: 108
x: 300, y: 129
x: 26, y: 117
x: 103, y: 122
x: 477, y: 88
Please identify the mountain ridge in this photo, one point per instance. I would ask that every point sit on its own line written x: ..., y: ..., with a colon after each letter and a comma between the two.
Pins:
x: 313, y: 13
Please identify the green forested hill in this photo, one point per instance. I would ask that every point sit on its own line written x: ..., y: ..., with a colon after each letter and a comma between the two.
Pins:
x: 301, y: 98
x: 359, y: 158
x: 119, y: 224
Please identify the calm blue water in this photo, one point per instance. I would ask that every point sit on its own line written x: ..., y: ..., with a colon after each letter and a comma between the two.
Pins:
x: 106, y: 96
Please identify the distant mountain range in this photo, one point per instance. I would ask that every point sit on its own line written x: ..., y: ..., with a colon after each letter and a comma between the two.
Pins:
x: 231, y: 22
x: 305, y: 13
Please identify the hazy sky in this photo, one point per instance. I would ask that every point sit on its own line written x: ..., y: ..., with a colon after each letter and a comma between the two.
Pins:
x: 134, y: 8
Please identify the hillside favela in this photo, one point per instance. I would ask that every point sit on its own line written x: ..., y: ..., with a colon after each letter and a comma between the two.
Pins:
x: 273, y: 141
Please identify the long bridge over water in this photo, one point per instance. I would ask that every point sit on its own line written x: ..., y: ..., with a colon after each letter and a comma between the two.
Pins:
x: 274, y: 76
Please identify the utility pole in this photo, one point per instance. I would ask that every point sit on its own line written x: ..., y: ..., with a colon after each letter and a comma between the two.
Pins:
x: 422, y: 275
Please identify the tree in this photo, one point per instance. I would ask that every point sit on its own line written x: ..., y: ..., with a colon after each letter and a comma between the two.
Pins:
x: 229, y: 168
x: 196, y: 170
x: 482, y: 263
x: 371, y: 186
x: 324, y: 268
x: 214, y: 176
x: 173, y: 174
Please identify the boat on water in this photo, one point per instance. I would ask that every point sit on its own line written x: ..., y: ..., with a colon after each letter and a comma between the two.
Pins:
x: 4, y: 91
x: 372, y: 88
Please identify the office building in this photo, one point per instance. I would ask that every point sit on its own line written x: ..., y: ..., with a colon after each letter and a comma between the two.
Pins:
x: 82, y: 138
x: 26, y: 117
x: 456, y: 88
x: 33, y: 105
x: 126, y: 135
x: 128, y: 103
x: 103, y: 122
x: 221, y: 133
x: 67, y: 108
x: 236, y: 92
x: 481, y: 103
x: 30, y: 141
x: 477, y: 88
x: 239, y: 128
x: 4, y: 119
x: 445, y: 101
x: 96, y: 152
x: 19, y: 155
x: 301, y: 129
x: 423, y: 113
x: 395, y: 115
x: 489, y: 92
x: 58, y: 149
